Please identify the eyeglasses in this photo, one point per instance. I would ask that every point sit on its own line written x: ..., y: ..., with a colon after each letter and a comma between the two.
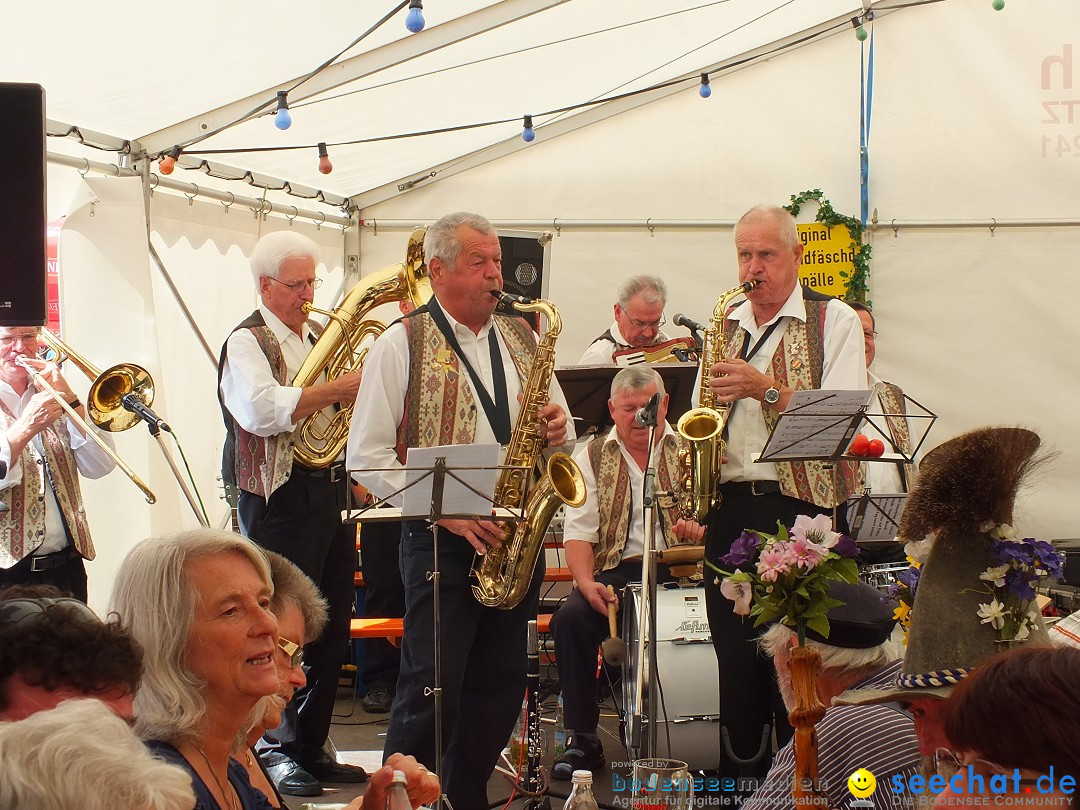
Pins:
x: 948, y: 765
x: 869, y: 335
x: 299, y: 286
x: 293, y: 650
x: 15, y: 610
x: 27, y: 338
x: 648, y: 324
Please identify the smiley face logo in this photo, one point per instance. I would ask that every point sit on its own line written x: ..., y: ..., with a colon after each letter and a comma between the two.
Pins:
x: 862, y: 783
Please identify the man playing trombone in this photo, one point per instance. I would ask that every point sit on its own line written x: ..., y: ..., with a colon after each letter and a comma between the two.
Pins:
x: 44, y: 536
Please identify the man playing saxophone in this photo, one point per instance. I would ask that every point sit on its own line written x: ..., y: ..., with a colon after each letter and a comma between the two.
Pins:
x: 452, y: 372
x: 604, y: 540
x: 783, y: 338
x: 284, y: 506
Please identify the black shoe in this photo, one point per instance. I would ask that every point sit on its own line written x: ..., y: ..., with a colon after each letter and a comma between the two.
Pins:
x: 326, y: 770
x: 580, y: 755
x: 292, y: 780
x: 378, y: 700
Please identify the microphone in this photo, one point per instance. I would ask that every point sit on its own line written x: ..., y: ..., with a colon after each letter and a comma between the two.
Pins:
x: 646, y: 417
x: 136, y: 406
x: 682, y: 320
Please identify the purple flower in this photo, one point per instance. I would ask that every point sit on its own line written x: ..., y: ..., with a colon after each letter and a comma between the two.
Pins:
x: 846, y: 547
x: 910, y: 577
x: 742, y: 551
x: 1017, y: 582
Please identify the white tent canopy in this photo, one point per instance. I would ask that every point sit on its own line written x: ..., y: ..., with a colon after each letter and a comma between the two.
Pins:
x: 972, y: 179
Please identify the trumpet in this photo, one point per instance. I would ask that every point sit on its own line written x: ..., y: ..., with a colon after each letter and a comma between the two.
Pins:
x: 104, y: 402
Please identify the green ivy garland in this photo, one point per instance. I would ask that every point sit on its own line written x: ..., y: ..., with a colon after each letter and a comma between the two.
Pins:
x: 857, y: 285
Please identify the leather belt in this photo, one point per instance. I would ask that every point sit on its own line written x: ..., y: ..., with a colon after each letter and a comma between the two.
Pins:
x: 46, y: 562
x: 334, y: 473
x: 751, y: 487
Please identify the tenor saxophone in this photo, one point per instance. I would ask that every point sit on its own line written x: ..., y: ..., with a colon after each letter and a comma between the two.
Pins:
x: 503, y: 574
x: 703, y: 427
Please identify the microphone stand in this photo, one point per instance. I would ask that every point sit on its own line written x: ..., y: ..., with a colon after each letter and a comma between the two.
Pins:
x: 155, y: 424
x: 647, y: 615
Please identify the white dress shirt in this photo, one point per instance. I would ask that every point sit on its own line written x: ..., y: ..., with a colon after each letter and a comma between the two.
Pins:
x: 258, y: 403
x: 380, y: 403
x: 583, y: 522
x: 844, y: 369
x: 91, y: 460
x: 599, y: 353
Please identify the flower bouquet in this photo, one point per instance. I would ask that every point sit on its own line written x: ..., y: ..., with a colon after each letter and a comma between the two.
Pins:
x: 1021, y: 565
x: 785, y: 576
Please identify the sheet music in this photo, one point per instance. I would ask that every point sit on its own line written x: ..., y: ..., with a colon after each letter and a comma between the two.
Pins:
x: 461, y: 459
x: 815, y: 425
x: 875, y: 517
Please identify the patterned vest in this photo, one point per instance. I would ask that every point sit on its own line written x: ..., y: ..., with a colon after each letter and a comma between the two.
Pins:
x: 892, y: 401
x: 256, y: 464
x: 798, y: 363
x: 22, y: 527
x: 614, y: 497
x: 439, y: 405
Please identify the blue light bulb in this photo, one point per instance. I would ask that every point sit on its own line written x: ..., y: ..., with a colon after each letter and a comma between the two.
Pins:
x: 528, y: 134
x: 414, y: 20
x: 282, y: 118
x: 704, y: 90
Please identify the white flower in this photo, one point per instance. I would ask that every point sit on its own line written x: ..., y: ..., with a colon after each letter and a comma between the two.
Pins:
x: 738, y: 592
x: 817, y: 529
x: 1022, y: 631
x: 919, y: 550
x: 994, y: 613
x: 1000, y: 532
x: 987, y: 526
x: 996, y: 575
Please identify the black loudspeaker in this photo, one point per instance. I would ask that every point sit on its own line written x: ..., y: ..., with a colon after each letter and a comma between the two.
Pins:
x: 523, y: 266
x: 23, y: 297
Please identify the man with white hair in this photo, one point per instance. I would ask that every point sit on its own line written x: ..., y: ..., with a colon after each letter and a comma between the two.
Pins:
x: 284, y: 506
x: 880, y: 738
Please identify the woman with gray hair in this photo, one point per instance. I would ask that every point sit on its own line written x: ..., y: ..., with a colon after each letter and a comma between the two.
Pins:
x: 80, y: 754
x: 199, y: 604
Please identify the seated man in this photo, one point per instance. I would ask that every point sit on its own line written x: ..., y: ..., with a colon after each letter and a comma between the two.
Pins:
x: 880, y: 738
x: 604, y: 541
x: 639, y: 314
x: 55, y: 648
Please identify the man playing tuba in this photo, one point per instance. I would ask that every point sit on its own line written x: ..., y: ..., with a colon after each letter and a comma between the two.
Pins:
x: 284, y: 506
x: 451, y: 372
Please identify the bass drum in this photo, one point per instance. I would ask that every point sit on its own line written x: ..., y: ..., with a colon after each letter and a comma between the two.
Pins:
x: 688, y: 688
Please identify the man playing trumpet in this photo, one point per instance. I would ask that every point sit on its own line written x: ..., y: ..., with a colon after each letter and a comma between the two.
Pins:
x: 44, y: 536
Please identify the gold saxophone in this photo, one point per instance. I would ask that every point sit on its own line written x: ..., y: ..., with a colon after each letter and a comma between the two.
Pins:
x: 318, y: 440
x: 503, y: 574
x: 702, y: 427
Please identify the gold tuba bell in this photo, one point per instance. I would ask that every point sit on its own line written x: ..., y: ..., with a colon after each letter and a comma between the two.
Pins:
x: 702, y: 427
x: 318, y: 440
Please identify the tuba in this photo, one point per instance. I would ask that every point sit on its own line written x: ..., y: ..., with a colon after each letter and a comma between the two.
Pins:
x: 702, y: 427
x: 504, y: 573
x: 318, y: 440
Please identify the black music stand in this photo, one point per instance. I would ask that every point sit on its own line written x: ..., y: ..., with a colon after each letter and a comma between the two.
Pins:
x: 587, y: 389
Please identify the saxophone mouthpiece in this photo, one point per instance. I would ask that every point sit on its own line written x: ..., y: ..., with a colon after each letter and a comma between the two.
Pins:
x: 749, y: 285
x: 509, y: 298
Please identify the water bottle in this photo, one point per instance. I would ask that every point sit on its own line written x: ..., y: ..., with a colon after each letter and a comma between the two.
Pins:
x: 560, y: 729
x: 397, y: 796
x: 581, y: 795
x: 518, y: 752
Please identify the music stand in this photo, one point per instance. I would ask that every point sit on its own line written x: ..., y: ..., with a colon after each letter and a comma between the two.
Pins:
x: 587, y: 389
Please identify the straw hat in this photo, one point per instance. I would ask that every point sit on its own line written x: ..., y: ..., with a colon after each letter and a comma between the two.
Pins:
x: 963, y: 485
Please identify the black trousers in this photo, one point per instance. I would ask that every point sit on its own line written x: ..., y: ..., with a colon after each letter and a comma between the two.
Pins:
x: 69, y: 577
x: 483, y: 666
x: 579, y: 631
x: 750, y: 704
x: 380, y: 542
x: 302, y: 522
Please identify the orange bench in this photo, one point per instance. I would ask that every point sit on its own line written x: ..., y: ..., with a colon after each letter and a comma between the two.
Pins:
x: 392, y: 628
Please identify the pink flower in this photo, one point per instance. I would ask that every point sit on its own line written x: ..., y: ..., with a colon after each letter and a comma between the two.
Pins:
x: 804, y: 553
x: 773, y: 562
x: 817, y: 530
x: 739, y: 592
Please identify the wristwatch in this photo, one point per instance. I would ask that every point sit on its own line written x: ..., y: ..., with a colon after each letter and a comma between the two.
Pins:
x: 772, y: 395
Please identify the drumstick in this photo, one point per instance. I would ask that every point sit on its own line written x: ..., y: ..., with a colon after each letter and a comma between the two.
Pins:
x: 614, y: 648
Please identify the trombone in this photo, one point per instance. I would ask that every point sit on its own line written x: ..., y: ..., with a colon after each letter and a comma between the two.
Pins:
x: 104, y: 402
